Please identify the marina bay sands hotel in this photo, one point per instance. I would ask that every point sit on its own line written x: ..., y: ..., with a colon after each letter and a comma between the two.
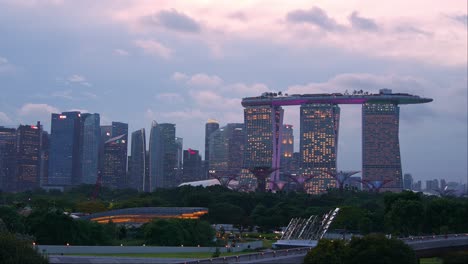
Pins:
x: 319, y: 127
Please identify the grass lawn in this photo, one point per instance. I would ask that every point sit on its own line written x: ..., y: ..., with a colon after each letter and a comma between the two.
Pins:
x: 430, y: 261
x: 194, y: 255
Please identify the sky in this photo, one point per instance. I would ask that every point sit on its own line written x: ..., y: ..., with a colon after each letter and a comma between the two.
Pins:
x: 185, y: 62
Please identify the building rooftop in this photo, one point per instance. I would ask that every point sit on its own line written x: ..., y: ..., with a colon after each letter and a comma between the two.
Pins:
x: 360, y: 97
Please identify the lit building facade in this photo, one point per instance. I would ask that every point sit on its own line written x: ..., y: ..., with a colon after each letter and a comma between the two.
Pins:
x: 119, y: 128
x: 263, y: 125
x: 381, y: 161
x: 28, y: 157
x: 114, y: 173
x: 64, y: 159
x: 90, y: 141
x: 287, y: 148
x: 137, y: 163
x: 319, y: 145
x: 7, y: 158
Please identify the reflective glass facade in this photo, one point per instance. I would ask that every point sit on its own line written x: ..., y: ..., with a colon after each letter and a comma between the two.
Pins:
x: 91, y: 135
x: 137, y: 167
x: 64, y: 159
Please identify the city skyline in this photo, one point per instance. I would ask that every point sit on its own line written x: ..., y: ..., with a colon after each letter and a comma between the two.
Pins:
x: 184, y: 63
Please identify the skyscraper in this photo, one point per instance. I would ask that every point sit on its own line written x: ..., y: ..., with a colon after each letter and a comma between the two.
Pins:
x: 7, y: 158
x: 28, y: 157
x: 408, y: 181
x: 263, y: 125
x: 192, y: 166
x: 169, y: 155
x: 319, y: 144
x: 287, y: 148
x: 226, y: 149
x: 64, y: 159
x: 137, y: 165
x: 162, y: 156
x: 114, y: 174
x: 90, y: 140
x: 44, y: 175
x: 381, y: 162
x: 155, y: 157
x: 106, y: 134
x: 210, y: 127
x: 180, y: 156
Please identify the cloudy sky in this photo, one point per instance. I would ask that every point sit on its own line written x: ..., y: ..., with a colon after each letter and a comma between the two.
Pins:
x: 184, y: 62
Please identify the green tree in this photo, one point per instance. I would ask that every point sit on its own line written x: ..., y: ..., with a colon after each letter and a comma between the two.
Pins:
x: 14, y: 222
x: 377, y: 249
x: 14, y: 250
x: 176, y: 232
x: 405, y: 217
x: 327, y: 251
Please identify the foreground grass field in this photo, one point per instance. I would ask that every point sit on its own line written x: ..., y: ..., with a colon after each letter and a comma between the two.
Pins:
x: 430, y: 261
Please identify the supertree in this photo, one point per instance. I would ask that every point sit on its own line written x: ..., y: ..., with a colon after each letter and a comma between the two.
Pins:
x: 376, y: 185
x: 262, y: 173
x: 301, y: 180
x: 341, y: 177
x: 224, y: 177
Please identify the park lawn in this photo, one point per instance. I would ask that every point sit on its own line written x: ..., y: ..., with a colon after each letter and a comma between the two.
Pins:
x: 430, y: 261
x: 196, y: 255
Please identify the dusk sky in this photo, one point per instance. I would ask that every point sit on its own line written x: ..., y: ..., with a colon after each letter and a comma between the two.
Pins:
x: 184, y: 62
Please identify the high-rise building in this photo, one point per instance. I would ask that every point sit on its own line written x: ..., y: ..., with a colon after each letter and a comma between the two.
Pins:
x: 169, y: 155
x: 432, y: 185
x: 417, y: 186
x: 64, y: 159
x: 319, y: 145
x: 119, y: 128
x: 114, y: 173
x: 210, y: 127
x: 147, y: 177
x: 226, y: 149
x: 162, y: 156
x: 155, y: 153
x: 287, y: 148
x: 137, y: 164
x: 90, y: 143
x: 192, y: 166
x: 28, y: 157
x: 7, y: 158
x: 263, y: 125
x: 44, y: 159
x: 407, y: 181
x: 381, y: 161
x: 180, y: 156
x: 106, y: 134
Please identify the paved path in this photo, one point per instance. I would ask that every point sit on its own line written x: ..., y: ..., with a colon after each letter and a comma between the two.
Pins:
x: 112, y: 260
